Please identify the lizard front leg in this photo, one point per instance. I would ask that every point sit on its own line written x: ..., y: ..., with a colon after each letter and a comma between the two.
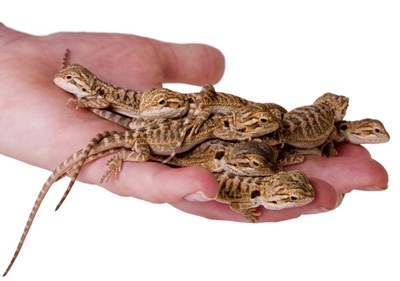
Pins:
x: 247, y: 209
x: 88, y: 103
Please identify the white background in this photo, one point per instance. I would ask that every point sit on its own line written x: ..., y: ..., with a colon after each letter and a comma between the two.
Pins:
x: 288, y: 52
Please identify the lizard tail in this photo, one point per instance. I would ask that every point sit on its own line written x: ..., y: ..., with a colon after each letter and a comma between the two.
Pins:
x: 58, y: 173
x: 83, y: 158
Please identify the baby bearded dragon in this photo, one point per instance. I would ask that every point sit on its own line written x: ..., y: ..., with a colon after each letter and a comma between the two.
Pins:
x: 278, y: 191
x: 365, y: 131
x: 310, y: 126
x: 93, y: 93
x: 248, y: 158
x: 163, y: 103
x: 208, y: 102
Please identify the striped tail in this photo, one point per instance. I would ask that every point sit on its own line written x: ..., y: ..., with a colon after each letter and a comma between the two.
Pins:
x: 84, y: 154
x: 74, y: 171
x: 76, y: 159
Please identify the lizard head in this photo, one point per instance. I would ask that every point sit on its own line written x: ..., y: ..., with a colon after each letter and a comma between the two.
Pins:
x: 163, y: 102
x: 254, y: 122
x: 76, y: 80
x: 286, y: 190
x: 364, y: 131
x: 338, y: 104
x: 253, y: 159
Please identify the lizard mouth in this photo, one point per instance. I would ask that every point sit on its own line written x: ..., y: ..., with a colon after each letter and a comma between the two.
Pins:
x: 259, y: 131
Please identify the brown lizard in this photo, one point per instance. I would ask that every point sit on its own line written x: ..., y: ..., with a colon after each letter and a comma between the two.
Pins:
x: 247, y: 158
x: 365, y: 131
x: 310, y: 126
x: 208, y: 102
x: 93, y: 93
x: 278, y: 191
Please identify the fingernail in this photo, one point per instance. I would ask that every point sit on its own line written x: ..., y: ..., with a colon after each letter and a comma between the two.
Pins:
x: 197, y: 196
x: 339, y: 199
x: 317, y: 210
x: 374, y: 188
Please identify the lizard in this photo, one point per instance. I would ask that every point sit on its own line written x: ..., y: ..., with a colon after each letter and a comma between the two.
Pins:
x: 310, y: 126
x: 208, y: 102
x: 246, y: 158
x: 364, y: 131
x: 278, y: 191
x: 93, y: 93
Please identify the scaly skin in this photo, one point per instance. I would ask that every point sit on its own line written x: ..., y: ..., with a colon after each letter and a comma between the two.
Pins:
x: 278, y: 191
x: 163, y: 103
x: 208, y: 102
x: 93, y: 93
x: 247, y: 158
x: 310, y: 126
x: 365, y: 131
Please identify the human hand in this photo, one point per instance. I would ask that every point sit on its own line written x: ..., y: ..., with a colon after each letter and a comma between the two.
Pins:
x: 48, y: 131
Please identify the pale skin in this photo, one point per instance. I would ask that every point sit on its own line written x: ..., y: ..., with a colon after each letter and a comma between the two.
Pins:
x: 34, y: 111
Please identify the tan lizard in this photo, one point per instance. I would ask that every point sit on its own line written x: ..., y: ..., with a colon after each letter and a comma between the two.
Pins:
x: 278, y: 191
x: 247, y: 158
x: 365, y: 131
x: 93, y: 93
x: 310, y: 126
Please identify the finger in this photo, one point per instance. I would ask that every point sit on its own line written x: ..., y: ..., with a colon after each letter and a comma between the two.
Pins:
x: 352, y: 150
x: 326, y: 198
x: 191, y: 63
x: 155, y: 182
x: 345, y: 173
x: 134, y: 61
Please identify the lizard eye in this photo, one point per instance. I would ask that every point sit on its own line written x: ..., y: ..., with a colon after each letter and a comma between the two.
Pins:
x: 161, y: 102
x: 69, y: 77
x: 255, y: 193
x: 263, y: 120
x: 293, y: 198
x: 219, y: 155
x: 84, y: 90
x: 255, y: 163
x: 343, y: 127
x: 377, y: 131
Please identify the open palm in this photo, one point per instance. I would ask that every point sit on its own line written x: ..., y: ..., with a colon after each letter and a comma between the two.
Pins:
x: 34, y: 112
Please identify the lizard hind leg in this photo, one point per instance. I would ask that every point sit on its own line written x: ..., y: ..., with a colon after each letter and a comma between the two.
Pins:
x: 139, y: 152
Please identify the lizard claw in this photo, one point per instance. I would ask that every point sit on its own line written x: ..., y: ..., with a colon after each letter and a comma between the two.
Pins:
x: 114, y: 166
